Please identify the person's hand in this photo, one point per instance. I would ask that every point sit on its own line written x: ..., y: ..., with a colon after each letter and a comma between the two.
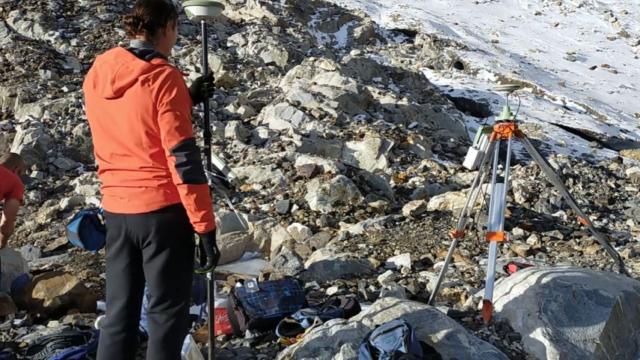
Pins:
x: 201, y: 89
x: 209, y: 253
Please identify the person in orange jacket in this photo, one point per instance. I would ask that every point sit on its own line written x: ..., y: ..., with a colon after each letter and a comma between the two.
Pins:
x: 12, y: 167
x: 154, y: 190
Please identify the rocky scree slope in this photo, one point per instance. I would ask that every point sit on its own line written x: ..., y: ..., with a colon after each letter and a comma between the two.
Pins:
x: 345, y: 149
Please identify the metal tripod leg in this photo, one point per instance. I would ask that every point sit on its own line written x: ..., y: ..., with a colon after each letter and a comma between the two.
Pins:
x: 584, y: 219
x: 495, y: 226
x: 472, y: 198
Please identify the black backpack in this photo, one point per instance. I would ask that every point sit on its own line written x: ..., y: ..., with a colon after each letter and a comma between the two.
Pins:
x: 262, y: 309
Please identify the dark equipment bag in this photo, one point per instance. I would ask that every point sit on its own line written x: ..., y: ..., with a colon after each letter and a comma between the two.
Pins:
x: 69, y: 344
x: 261, y: 310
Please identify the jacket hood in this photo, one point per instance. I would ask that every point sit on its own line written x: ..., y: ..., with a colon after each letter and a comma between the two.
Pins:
x: 115, y: 71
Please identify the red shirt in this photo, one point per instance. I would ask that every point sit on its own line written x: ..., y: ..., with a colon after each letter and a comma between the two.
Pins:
x: 11, y: 187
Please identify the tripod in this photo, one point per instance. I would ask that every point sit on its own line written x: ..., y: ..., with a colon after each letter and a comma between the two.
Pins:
x: 506, y: 129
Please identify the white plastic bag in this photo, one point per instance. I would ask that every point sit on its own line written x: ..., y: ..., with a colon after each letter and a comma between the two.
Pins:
x: 12, y: 265
x: 190, y: 350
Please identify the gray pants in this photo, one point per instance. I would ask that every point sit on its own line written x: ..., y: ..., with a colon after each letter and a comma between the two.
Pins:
x: 156, y: 248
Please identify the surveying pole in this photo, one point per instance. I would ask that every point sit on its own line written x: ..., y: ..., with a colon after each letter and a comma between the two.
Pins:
x: 199, y: 11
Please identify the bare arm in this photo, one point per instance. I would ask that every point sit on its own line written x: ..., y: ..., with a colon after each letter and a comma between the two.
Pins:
x: 7, y: 225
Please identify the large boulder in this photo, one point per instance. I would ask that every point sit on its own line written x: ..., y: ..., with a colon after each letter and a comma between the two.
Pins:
x: 32, y: 143
x: 340, y: 338
x: 56, y: 293
x: 561, y: 312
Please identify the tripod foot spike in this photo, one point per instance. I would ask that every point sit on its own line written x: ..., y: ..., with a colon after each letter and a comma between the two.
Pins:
x: 487, y: 311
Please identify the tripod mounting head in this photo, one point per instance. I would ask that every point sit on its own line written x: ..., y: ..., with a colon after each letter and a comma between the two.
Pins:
x: 506, y: 114
x: 199, y: 10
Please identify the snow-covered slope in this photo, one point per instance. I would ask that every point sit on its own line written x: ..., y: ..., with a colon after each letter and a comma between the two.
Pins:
x: 579, y: 56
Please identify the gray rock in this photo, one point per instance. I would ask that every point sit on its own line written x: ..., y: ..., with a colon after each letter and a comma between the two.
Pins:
x: 399, y: 261
x: 365, y: 34
x: 315, y: 145
x: 71, y: 202
x: 81, y: 145
x: 369, y: 154
x: 251, y: 11
x: 229, y: 221
x: 30, y: 252
x: 393, y: 291
x: 561, y: 312
x: 299, y: 232
x: 283, y: 206
x: 326, y: 166
x: 86, y: 185
x: 327, y: 265
x: 379, y: 182
x: 254, y: 174
x: 321, y: 85
x: 279, y: 237
x: 283, y: 116
x: 233, y: 245
x: 288, y: 262
x: 364, y: 226
x: 65, y: 164
x: 49, y: 261
x: 254, y: 44
x: 28, y: 24
x: 633, y: 174
x: 451, y: 201
x: 216, y: 62
x: 236, y: 131
x: 387, y: 278
x: 261, y: 135
x: 419, y: 145
x: 319, y: 240
x: 243, y: 111
x: 340, y: 190
x: 620, y: 338
x: 445, y: 335
x: 414, y: 208
x: 32, y: 143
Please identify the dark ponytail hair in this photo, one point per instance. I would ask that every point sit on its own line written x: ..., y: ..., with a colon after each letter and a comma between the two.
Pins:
x: 148, y: 17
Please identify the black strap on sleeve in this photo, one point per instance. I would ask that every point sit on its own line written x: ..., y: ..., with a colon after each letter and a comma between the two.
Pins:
x: 189, y: 162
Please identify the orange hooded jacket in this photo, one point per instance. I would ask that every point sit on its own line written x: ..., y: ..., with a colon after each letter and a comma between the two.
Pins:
x: 139, y: 113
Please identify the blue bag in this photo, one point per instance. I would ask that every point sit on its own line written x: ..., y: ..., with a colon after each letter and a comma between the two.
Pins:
x: 87, y: 231
x: 393, y: 340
